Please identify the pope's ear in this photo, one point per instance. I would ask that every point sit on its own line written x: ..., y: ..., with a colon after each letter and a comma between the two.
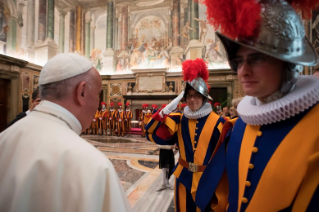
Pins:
x: 81, y: 92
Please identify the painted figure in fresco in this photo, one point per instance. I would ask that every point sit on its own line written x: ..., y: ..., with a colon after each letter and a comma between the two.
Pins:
x: 134, y: 58
x: 185, y: 31
x: 162, y: 58
x: 122, y: 63
x: 96, y: 58
x: 203, y: 29
x: 169, y: 45
x: 212, y: 52
x: 148, y: 57
x: 3, y: 25
x: 104, y: 118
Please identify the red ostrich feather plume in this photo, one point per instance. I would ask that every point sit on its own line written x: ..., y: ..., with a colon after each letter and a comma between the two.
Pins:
x: 112, y: 104
x: 234, y: 18
x: 216, y: 104
x: 195, y: 68
x: 305, y: 6
x: 154, y: 106
x: 164, y: 105
x: 127, y: 104
x: 103, y: 103
x: 119, y: 104
x: 146, y: 105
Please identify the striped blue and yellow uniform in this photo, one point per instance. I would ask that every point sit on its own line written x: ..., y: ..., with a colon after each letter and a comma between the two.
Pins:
x: 275, y: 167
x: 196, y: 140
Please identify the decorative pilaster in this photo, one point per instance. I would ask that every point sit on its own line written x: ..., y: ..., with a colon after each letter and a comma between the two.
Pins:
x: 108, y: 55
x: 92, y: 46
x: 72, y: 31
x: 12, y: 35
x: 109, y: 26
x: 50, y: 19
x: 193, y: 6
x: 42, y: 24
x: 194, y: 48
x: 61, y: 31
x: 176, y: 50
x: 30, y: 29
x: 175, y: 22
x: 87, y: 35
x: 78, y: 29
x: 124, y: 33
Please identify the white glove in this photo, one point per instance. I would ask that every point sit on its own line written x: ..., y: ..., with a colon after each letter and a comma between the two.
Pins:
x: 100, y: 118
x: 172, y: 106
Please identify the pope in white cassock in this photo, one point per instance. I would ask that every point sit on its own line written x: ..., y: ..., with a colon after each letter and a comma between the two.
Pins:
x: 44, y: 164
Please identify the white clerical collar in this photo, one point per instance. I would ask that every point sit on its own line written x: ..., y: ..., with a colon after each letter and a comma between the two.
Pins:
x: 61, y: 113
x: 202, y: 112
x: 304, y: 96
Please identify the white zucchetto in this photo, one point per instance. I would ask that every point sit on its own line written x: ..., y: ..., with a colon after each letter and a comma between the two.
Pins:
x: 64, y: 66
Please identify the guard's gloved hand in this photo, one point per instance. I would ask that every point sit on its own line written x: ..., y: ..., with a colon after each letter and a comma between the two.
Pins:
x: 172, y: 106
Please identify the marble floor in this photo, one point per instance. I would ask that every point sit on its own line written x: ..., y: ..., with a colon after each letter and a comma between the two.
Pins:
x: 136, y: 162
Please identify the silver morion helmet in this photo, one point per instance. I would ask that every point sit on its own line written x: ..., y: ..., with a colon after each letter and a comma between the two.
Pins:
x: 281, y: 35
x: 195, y: 74
x: 199, y: 85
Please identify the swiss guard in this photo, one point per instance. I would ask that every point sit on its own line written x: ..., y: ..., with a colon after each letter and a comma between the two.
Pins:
x: 141, y: 118
x: 104, y: 116
x: 128, y: 118
x: 273, y: 152
x: 112, y: 119
x: 196, y: 132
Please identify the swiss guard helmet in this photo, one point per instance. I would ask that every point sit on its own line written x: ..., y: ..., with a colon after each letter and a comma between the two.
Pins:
x: 195, y: 74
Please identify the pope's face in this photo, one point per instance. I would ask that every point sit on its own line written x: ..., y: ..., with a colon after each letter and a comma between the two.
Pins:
x: 263, y: 76
x: 93, y: 99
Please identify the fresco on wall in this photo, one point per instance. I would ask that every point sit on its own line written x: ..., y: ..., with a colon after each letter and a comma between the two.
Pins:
x: 149, y: 38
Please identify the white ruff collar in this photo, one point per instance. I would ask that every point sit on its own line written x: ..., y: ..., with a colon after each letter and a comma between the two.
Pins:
x: 305, y: 95
x: 204, y: 111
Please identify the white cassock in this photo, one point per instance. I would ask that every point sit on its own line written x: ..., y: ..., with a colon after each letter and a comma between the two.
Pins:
x: 46, y: 166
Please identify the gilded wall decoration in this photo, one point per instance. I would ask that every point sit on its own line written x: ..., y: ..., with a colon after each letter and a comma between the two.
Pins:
x: 25, y: 81
x: 115, y: 89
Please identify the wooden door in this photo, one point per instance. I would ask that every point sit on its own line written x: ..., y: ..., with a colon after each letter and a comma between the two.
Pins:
x: 219, y: 95
x: 4, y: 85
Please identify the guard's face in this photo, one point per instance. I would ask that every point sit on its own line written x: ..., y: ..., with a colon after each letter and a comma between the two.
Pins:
x: 260, y: 75
x: 194, y: 100
x: 103, y: 106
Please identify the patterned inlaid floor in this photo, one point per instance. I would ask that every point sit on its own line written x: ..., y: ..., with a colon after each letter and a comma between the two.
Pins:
x: 136, y: 162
